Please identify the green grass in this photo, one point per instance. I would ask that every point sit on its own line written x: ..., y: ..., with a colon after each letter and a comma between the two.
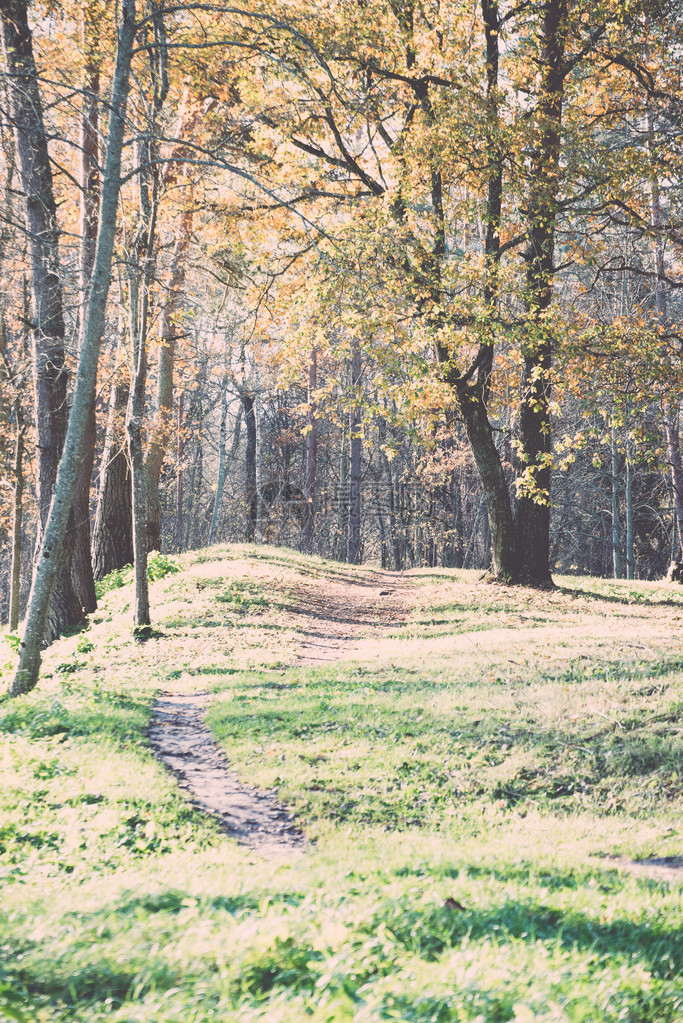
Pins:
x: 474, y: 786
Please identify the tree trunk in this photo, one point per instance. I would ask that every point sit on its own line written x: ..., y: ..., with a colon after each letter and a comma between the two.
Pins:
x: 533, y: 511
x: 112, y: 543
x: 630, y: 554
x: 311, y: 456
x: 616, y: 531
x: 81, y: 566
x: 17, y: 517
x: 673, y: 448
x: 49, y: 370
x: 671, y: 412
x: 160, y: 427
x: 504, y: 558
x: 355, y: 487
x: 250, y: 463
x: 342, y: 508
x: 259, y: 471
x: 224, y: 460
x: 180, y: 455
x: 472, y: 393
x: 84, y: 396
x: 135, y: 412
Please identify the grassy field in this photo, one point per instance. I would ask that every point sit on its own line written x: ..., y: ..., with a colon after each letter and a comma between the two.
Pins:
x: 475, y: 785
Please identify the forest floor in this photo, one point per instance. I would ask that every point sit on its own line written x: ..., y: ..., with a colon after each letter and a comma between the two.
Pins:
x: 330, y: 617
x: 432, y: 799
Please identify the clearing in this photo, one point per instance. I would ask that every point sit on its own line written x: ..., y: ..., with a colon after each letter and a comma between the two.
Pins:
x: 471, y: 813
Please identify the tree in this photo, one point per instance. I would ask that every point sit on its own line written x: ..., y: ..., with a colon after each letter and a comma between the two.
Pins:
x: 51, y: 548
x: 49, y: 367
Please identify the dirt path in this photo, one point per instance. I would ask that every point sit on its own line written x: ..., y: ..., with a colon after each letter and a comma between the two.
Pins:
x: 181, y: 740
x: 332, y: 617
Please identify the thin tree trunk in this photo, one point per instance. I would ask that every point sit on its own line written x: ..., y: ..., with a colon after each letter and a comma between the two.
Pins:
x: 630, y: 556
x: 81, y: 565
x: 311, y: 456
x: 671, y: 412
x: 342, y: 508
x: 49, y: 371
x: 112, y: 543
x: 259, y: 471
x: 224, y: 459
x: 135, y: 412
x: 160, y: 427
x: 17, y: 517
x: 250, y: 462
x: 180, y: 455
x: 355, y: 487
x: 673, y: 448
x: 616, y: 532
x: 93, y: 324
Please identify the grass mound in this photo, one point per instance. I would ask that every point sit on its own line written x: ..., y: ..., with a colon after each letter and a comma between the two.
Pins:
x: 475, y: 782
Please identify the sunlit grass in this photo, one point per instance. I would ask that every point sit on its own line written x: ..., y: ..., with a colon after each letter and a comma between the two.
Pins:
x: 474, y: 785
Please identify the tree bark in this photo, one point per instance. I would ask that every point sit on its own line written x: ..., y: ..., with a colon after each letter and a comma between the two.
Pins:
x: 112, y: 543
x: 343, y: 505
x: 91, y: 334
x: 180, y: 470
x: 472, y: 390
x: 355, y: 484
x: 311, y: 456
x: 616, y: 530
x: 49, y: 369
x: 160, y: 427
x: 81, y: 567
x: 17, y: 517
x: 533, y: 509
x: 504, y: 558
x: 630, y: 552
x: 134, y: 415
x: 247, y: 400
x: 670, y: 412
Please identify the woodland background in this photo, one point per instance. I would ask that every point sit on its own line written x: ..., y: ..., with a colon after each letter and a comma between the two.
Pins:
x: 391, y: 282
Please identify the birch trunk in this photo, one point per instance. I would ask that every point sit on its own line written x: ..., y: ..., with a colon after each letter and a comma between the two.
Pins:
x: 81, y: 567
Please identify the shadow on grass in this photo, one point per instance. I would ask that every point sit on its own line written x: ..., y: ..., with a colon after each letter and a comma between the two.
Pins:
x: 613, y: 598
x: 291, y: 964
x: 172, y: 901
x: 455, y: 759
x: 106, y: 714
x: 430, y: 932
x: 97, y: 982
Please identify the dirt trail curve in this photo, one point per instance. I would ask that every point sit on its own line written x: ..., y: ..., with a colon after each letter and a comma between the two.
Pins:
x: 333, y: 615
x: 330, y: 617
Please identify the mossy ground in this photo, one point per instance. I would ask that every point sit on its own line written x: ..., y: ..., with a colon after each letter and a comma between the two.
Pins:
x: 474, y: 784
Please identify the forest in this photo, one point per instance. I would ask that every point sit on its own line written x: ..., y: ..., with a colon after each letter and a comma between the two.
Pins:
x: 395, y: 283
x: 341, y: 511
